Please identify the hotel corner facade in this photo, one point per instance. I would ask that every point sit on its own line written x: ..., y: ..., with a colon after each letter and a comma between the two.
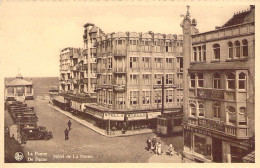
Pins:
x: 124, y: 71
x: 219, y: 87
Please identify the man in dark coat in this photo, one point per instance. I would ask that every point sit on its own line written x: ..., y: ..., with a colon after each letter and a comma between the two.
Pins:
x: 69, y: 125
x: 149, y: 143
x: 66, y: 134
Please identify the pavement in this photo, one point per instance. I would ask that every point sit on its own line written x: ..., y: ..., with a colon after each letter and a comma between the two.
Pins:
x: 99, y: 130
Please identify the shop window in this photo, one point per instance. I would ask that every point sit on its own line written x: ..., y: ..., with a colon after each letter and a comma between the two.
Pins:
x: 245, y: 48
x: 216, y: 80
x: 201, y: 110
x: 216, y: 51
x: 231, y: 115
x: 192, y: 80
x: 200, y: 80
x: 193, y: 110
x: 242, y: 116
x: 242, y: 81
x: 204, y: 52
x: 230, y: 50
x: 201, y: 146
x: 216, y: 110
x: 194, y: 54
x: 237, y: 49
x: 231, y: 81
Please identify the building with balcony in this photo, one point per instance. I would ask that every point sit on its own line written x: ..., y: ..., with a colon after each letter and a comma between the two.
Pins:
x: 130, y: 68
x: 219, y: 83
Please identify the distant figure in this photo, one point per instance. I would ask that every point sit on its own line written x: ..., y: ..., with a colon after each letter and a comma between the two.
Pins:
x: 13, y: 136
x: 69, y: 125
x: 170, y: 149
x: 149, y: 143
x: 66, y: 134
x: 153, y: 144
x: 156, y: 148
x: 159, y: 148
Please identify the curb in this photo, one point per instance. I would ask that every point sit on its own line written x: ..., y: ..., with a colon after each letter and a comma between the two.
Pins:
x: 87, y: 124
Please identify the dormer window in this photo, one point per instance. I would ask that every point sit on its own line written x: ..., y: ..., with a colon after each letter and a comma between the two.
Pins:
x: 216, y: 51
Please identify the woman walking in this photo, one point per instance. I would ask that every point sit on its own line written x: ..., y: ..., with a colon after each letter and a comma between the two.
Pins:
x: 159, y: 148
x: 170, y: 149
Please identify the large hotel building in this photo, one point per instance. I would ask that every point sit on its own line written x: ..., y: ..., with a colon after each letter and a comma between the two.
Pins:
x: 124, y: 71
x: 219, y: 87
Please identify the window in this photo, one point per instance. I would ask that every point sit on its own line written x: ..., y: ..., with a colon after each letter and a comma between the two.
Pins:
x: 200, y: 56
x: 231, y: 115
x: 133, y: 62
x: 194, y: 54
x: 120, y: 100
x: 158, y: 96
x: 169, y: 78
x: 146, y: 97
x: 169, y: 96
x: 216, y: 51
x: 146, y: 62
x: 242, y: 81
x: 119, y: 42
x: 201, y: 110
x: 245, y: 48
x: 200, y: 80
x: 158, y: 79
x: 230, y: 50
x: 109, y: 63
x: 204, y: 52
x: 169, y: 63
x: 192, y: 80
x: 192, y: 109
x: 147, y: 79
x: 231, y: 81
x: 110, y: 79
x: 216, y: 110
x: 134, y: 95
x: 110, y: 97
x: 216, y: 81
x: 237, y: 48
x: 158, y: 63
x: 242, y: 116
x: 134, y: 79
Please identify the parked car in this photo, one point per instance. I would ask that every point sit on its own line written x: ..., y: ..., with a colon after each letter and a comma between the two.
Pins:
x: 36, y: 133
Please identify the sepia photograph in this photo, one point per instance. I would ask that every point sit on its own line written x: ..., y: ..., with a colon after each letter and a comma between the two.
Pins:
x: 100, y: 82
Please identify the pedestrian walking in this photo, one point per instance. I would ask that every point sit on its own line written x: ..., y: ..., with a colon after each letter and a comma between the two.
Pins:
x: 159, y: 148
x: 69, y: 125
x: 156, y: 148
x: 153, y: 144
x: 149, y: 143
x: 170, y: 149
x: 66, y: 134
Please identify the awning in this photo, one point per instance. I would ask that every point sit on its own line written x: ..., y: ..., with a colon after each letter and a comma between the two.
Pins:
x: 218, y: 66
x: 153, y: 115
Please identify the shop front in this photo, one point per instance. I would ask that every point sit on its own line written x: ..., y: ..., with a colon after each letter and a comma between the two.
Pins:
x: 137, y: 121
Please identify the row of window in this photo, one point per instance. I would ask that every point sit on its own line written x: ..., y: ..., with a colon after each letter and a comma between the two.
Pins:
x: 216, y: 80
x: 134, y: 79
x: 235, y: 50
x: 106, y: 97
x: 216, y: 108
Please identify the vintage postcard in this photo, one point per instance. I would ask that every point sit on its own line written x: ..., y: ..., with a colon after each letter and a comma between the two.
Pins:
x: 128, y: 82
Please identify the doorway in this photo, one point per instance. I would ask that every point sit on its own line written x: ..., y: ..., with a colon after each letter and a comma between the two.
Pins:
x: 217, y: 150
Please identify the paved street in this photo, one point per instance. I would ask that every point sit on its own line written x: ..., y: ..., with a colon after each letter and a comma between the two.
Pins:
x: 86, y: 144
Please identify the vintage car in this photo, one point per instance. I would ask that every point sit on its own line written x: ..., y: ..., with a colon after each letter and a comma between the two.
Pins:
x: 25, y: 119
x: 36, y: 133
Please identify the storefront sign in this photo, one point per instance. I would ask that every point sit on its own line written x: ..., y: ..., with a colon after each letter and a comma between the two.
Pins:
x: 153, y: 114
x: 137, y: 116
x: 197, y: 130
x: 217, y: 125
x: 113, y: 116
x: 98, y: 115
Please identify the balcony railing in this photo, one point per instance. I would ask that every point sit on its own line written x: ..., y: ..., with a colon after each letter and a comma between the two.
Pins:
x: 119, y: 70
x: 219, y: 126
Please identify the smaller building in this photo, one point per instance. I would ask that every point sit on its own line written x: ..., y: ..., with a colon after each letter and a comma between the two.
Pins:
x: 18, y: 89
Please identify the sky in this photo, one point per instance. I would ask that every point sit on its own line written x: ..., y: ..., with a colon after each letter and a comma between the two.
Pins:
x: 33, y: 33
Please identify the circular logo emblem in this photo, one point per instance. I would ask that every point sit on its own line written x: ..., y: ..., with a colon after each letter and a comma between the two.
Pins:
x: 18, y: 156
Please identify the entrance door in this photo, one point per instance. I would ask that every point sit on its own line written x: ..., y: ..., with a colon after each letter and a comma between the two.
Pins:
x: 217, y: 150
